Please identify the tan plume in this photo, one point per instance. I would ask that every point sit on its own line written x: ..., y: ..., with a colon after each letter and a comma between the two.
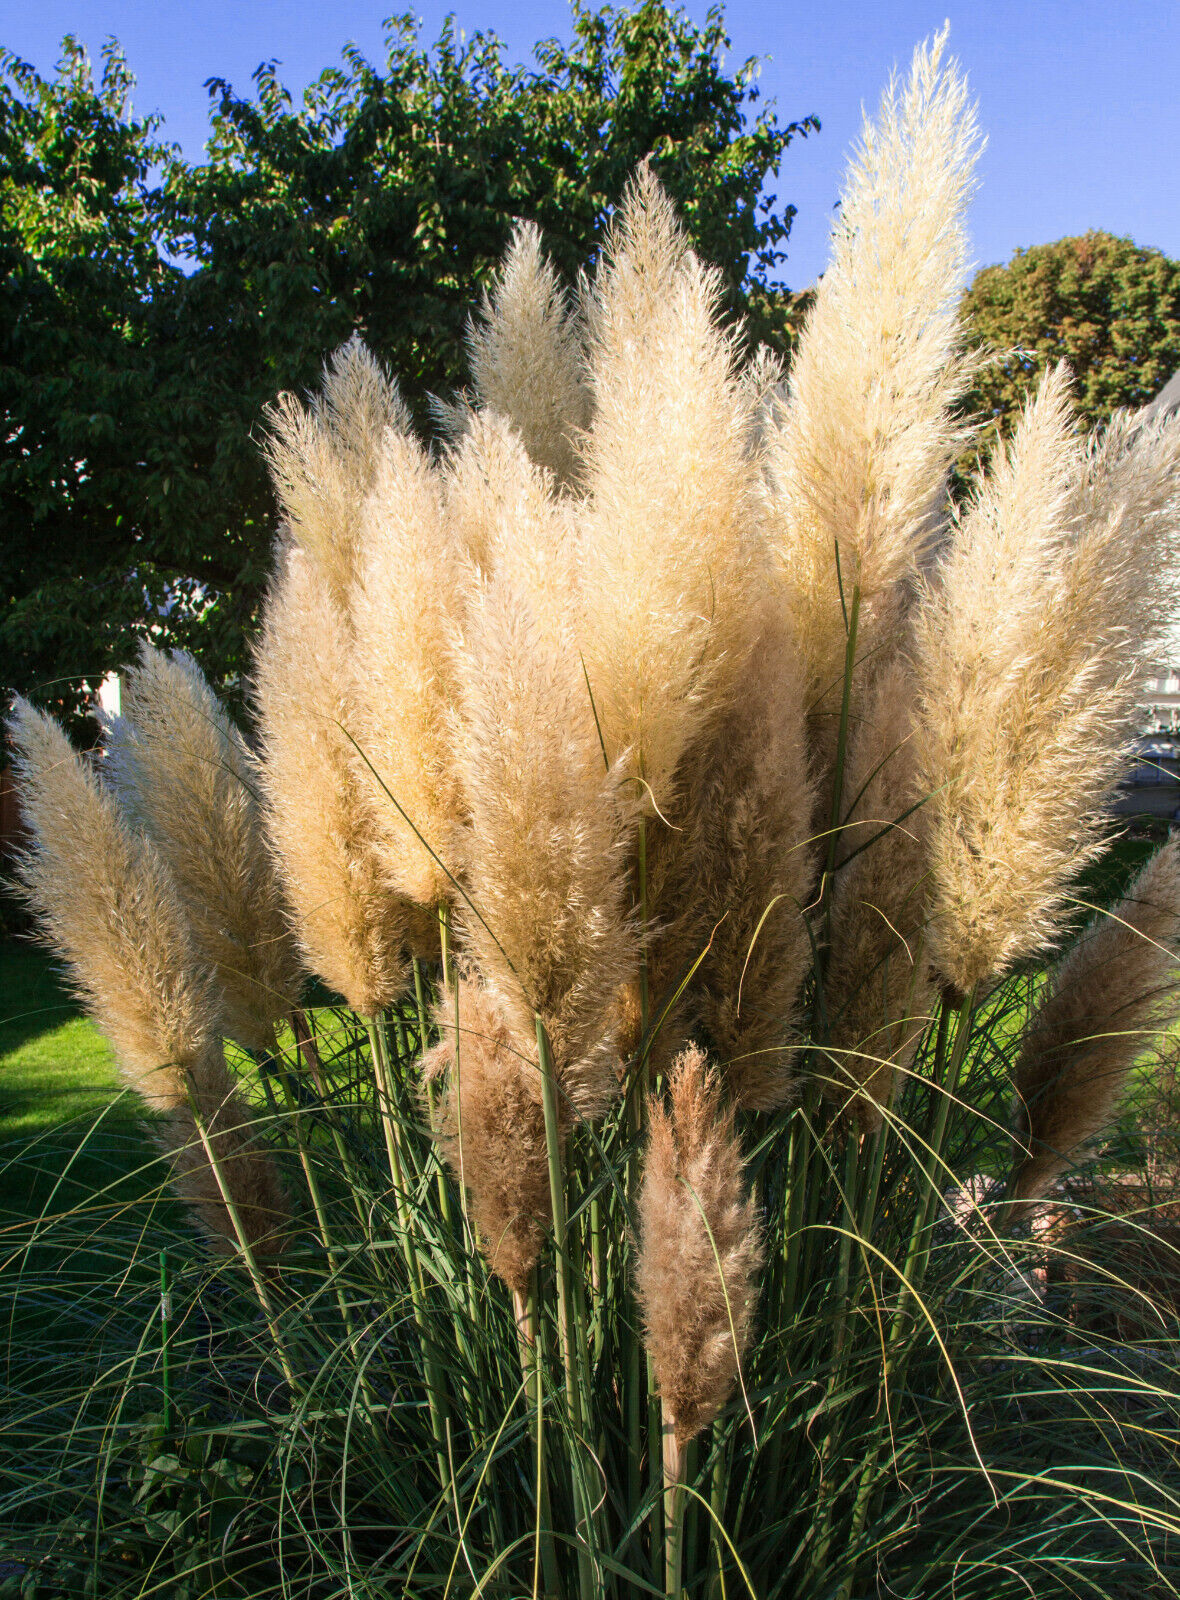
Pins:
x: 323, y: 454
x: 108, y: 906
x: 699, y: 1248
x: 406, y: 608
x: 1029, y: 645
x: 526, y: 357
x: 493, y: 1128
x: 878, y: 992
x: 184, y: 774
x: 669, y: 561
x: 547, y: 850
x: 1107, y: 1003
x: 859, y: 456
x: 349, y: 923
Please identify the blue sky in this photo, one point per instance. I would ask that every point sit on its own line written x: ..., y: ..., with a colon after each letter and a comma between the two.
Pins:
x: 1079, y: 98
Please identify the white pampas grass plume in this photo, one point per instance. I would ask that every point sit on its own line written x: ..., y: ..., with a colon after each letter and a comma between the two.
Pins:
x: 699, y: 1248
x: 349, y: 923
x: 526, y: 358
x: 108, y: 906
x: 1029, y: 645
x: 184, y: 774
x: 323, y: 454
x: 1106, y: 1005
x: 859, y: 458
x: 548, y: 843
x: 742, y: 862
x: 405, y: 609
x: 667, y: 554
x: 877, y: 987
x: 493, y: 1129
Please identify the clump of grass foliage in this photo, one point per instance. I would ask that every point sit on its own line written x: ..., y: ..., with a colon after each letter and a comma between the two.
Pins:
x: 683, y: 804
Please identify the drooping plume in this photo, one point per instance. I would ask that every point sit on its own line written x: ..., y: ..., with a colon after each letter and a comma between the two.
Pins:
x: 405, y: 608
x: 859, y: 458
x: 349, y: 923
x: 877, y: 989
x: 699, y: 1248
x: 526, y: 357
x: 108, y: 906
x: 183, y: 773
x: 1029, y: 644
x: 668, y: 561
x: 493, y: 1129
x: 547, y: 850
x: 1107, y: 1005
x: 323, y: 456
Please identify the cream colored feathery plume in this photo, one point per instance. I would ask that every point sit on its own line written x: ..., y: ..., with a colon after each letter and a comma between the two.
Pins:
x: 349, y: 923
x: 323, y: 455
x: 108, y: 906
x: 877, y: 988
x: 1107, y: 1003
x: 493, y: 1129
x: 669, y: 561
x: 184, y: 774
x: 406, y: 606
x: 526, y: 356
x: 547, y: 851
x: 1029, y: 644
x: 859, y: 456
x: 740, y: 864
x: 699, y: 1248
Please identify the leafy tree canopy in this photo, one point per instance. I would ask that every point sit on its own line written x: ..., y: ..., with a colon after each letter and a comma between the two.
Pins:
x: 1108, y: 307
x: 150, y: 308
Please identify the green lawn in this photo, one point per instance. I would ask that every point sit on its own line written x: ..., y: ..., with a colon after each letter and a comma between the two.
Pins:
x: 66, y: 1129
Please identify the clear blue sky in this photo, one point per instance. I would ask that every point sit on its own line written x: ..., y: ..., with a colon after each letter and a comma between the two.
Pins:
x: 1079, y: 98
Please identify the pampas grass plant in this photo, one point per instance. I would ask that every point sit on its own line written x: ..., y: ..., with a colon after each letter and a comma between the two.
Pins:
x: 672, y: 800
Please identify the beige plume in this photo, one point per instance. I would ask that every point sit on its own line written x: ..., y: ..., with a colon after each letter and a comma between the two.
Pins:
x: 877, y: 988
x: 526, y: 357
x: 1106, y: 1005
x: 734, y: 875
x: 183, y: 773
x: 108, y: 906
x: 1029, y: 646
x: 323, y: 455
x: 549, y: 839
x: 667, y: 554
x: 405, y: 609
x: 493, y: 1129
x: 699, y: 1248
x: 859, y: 457
x: 349, y: 923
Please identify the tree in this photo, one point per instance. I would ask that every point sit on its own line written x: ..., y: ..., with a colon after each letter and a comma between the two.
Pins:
x: 381, y: 203
x: 1107, y: 306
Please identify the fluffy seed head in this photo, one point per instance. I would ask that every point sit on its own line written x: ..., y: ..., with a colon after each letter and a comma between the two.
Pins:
x: 349, y: 924
x: 547, y: 847
x: 668, y: 563
x: 1107, y: 1004
x: 405, y: 608
x: 878, y: 991
x: 1029, y: 646
x: 184, y: 775
x: 493, y: 1129
x: 323, y: 454
x: 859, y: 455
x: 526, y: 357
x: 699, y: 1248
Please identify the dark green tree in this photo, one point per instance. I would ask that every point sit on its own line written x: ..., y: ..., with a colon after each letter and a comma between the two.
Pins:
x: 1107, y: 306
x: 379, y: 203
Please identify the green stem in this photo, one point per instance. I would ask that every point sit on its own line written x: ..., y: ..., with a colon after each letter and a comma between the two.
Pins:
x: 565, y: 1304
x: 166, y: 1341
